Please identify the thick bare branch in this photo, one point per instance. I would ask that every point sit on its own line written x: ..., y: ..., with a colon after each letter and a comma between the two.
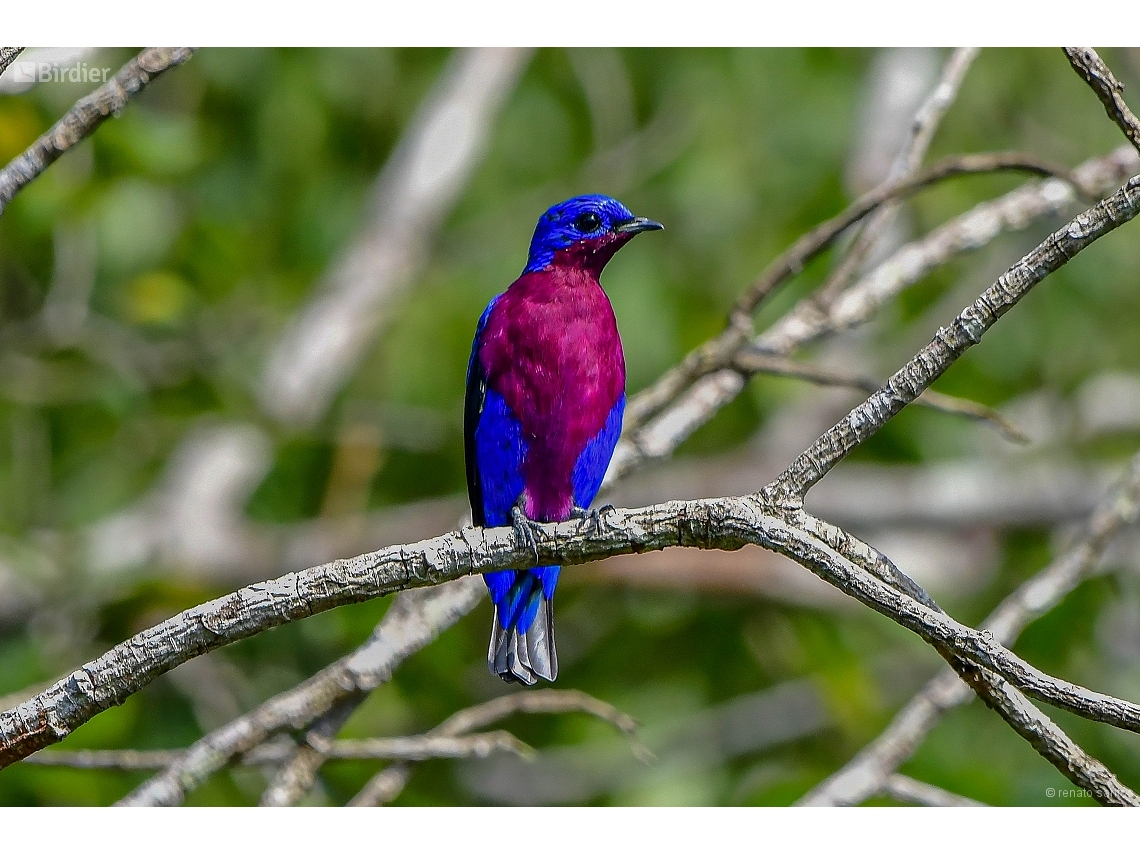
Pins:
x: 864, y: 775
x: 716, y: 524
x: 1043, y: 734
x: 1099, y: 76
x: 87, y: 114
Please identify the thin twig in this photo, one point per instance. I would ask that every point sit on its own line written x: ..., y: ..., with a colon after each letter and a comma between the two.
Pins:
x: 755, y: 362
x: 387, y: 784
x: 118, y: 759
x: 297, y: 775
x: 910, y: 156
x: 401, y: 748
x: 909, y: 790
x: 1107, y: 88
x: 718, y: 352
x: 819, y: 238
x: 682, y: 409
x: 87, y: 114
x: 1037, y: 200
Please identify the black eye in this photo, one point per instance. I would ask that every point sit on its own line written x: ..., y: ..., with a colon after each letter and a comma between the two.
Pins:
x: 588, y: 222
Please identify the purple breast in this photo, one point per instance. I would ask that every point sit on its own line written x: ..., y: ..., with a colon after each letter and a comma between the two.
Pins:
x: 551, y: 349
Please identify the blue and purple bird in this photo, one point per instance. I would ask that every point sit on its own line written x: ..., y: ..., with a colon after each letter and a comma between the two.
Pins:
x: 545, y: 396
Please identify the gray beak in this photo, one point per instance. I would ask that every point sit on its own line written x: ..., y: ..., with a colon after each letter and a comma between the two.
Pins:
x: 637, y: 224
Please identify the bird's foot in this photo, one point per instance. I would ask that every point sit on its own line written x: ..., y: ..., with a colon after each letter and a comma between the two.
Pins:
x: 592, y: 517
x: 525, y: 529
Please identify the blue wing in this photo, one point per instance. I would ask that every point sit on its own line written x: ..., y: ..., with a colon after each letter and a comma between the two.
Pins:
x: 493, y: 443
x: 474, y: 403
x: 590, y: 467
x: 498, y: 452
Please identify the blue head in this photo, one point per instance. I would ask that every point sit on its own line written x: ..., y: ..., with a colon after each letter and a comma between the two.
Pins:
x: 584, y: 231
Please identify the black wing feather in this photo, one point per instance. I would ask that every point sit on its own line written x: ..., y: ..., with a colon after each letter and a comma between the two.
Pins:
x: 473, y: 402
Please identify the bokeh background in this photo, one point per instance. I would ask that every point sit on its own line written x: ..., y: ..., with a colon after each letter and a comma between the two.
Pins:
x: 146, y: 278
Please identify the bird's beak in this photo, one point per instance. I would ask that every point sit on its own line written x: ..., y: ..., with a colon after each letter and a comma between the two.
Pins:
x: 637, y: 224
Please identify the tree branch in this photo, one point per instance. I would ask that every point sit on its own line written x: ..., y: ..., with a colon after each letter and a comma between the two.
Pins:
x: 298, y: 773
x: 909, y: 790
x: 952, y: 341
x: 807, y: 323
x: 864, y: 775
x: 87, y: 114
x: 414, y: 619
x: 713, y: 385
x: 710, y: 524
x: 8, y: 56
x: 715, y: 524
x: 718, y: 352
x: 822, y: 236
x: 401, y: 748
x: 1046, y: 737
x: 909, y: 158
x: 387, y: 784
x: 754, y: 362
x: 1107, y: 88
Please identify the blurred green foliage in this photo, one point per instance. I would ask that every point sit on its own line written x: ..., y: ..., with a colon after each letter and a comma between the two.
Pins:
x: 221, y: 194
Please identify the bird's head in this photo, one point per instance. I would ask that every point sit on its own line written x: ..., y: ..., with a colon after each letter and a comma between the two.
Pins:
x: 584, y: 232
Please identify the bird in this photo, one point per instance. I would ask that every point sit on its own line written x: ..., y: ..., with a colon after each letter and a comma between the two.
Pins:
x: 543, y: 412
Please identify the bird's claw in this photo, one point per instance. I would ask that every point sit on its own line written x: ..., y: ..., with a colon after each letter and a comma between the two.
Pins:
x: 524, y: 529
x: 592, y: 517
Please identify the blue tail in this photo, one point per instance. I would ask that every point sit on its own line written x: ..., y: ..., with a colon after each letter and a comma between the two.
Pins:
x: 522, y: 637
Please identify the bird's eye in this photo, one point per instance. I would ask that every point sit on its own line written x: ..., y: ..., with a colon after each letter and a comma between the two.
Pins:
x: 588, y: 222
